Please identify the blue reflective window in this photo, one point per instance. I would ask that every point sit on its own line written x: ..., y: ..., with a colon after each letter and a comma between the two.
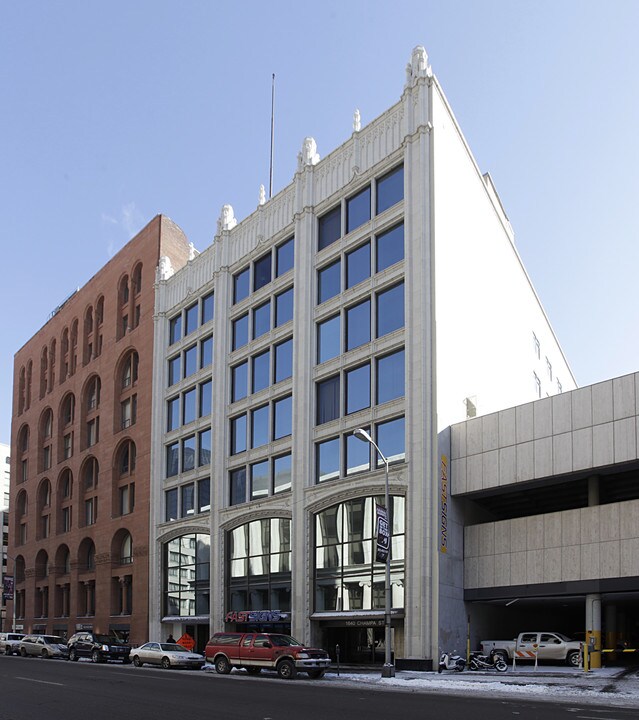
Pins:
x: 240, y: 331
x: 358, y: 325
x: 262, y: 319
x: 188, y: 453
x: 283, y: 423
x: 390, y: 377
x: 358, y: 209
x: 238, y: 486
x: 284, y: 360
x: 285, y: 257
x: 205, y: 398
x: 329, y: 282
x: 262, y: 271
x: 261, y: 375
x: 390, y: 189
x: 239, y: 381
x: 358, y: 265
x: 390, y: 247
x: 241, y: 285
x: 172, y: 414
x: 238, y: 434
x: 358, y: 455
x: 208, y: 308
x: 259, y: 480
x: 190, y: 360
x: 391, y: 438
x: 188, y: 499
x: 174, y: 370
x: 329, y: 339
x: 390, y: 310
x: 172, y: 459
x: 328, y: 400
x: 190, y: 319
x: 203, y: 495
x: 327, y: 460
x: 329, y: 228
x: 284, y: 307
x: 171, y: 505
x: 175, y: 329
x: 204, y: 448
x: 188, y: 406
x: 206, y: 352
x: 282, y: 473
x: 358, y: 389
x: 259, y: 426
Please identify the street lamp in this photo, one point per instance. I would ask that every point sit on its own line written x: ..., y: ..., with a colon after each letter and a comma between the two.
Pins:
x: 389, y: 669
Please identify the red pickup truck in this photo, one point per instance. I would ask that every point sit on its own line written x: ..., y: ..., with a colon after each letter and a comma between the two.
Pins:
x: 254, y: 651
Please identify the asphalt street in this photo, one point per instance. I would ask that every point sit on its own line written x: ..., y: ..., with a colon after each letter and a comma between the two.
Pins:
x: 34, y: 688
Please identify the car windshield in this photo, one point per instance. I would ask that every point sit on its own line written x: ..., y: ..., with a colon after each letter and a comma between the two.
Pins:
x: 283, y: 640
x: 172, y: 647
x: 108, y: 640
x: 53, y: 640
x: 565, y: 638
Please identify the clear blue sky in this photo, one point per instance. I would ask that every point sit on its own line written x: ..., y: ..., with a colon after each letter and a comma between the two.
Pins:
x: 115, y: 110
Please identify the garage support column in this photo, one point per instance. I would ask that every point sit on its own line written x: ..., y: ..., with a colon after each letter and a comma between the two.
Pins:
x: 593, y: 627
x: 611, y: 625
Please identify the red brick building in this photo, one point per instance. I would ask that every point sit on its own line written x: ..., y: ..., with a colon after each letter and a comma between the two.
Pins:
x: 80, y: 449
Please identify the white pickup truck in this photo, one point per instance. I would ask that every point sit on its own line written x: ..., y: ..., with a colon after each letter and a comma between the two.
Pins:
x: 542, y: 645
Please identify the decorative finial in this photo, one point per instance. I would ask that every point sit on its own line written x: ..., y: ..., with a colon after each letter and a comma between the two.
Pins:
x: 309, y: 154
x: 165, y: 268
x: 262, y: 195
x: 192, y: 251
x: 357, y: 121
x: 418, y: 66
x: 227, y: 220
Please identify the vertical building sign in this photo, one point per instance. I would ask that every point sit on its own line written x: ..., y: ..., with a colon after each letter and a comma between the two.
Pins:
x: 443, y: 530
x: 383, y: 534
x: 7, y: 590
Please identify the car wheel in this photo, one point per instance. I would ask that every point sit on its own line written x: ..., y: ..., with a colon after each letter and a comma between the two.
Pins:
x: 222, y: 665
x: 44, y: 654
x: 316, y: 674
x: 7, y: 651
x: 286, y: 670
x: 500, y: 656
x: 95, y: 656
x: 253, y: 670
x: 23, y: 652
x: 137, y: 662
x: 166, y: 663
x: 73, y: 655
x: 573, y: 658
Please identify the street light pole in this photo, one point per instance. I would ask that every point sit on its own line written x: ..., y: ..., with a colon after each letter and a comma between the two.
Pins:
x: 389, y: 669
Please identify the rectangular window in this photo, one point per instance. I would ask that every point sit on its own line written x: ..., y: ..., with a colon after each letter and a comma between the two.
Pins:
x: 68, y: 449
x: 239, y: 381
x: 328, y: 339
x: 190, y: 319
x: 206, y: 396
x: 284, y: 307
x: 358, y: 325
x: 240, y: 331
x: 174, y: 370
x: 358, y: 389
x: 390, y: 310
x: 170, y: 505
x: 390, y: 247
x: 284, y: 360
x: 206, y: 352
x: 175, y: 329
x: 390, y: 377
x: 329, y: 227
x: 259, y: 426
x: 127, y: 499
x: 208, y: 308
x: 358, y: 455
x: 390, y: 189
x: 90, y: 514
x: 172, y: 414
x: 66, y: 519
x: 188, y: 453
x: 329, y: 282
x: 282, y: 473
x: 92, y: 429
x: 203, y: 495
x: 187, y: 493
x: 172, y: 458
x: 284, y: 257
x: 238, y: 434
x: 126, y: 414
x: 204, y: 448
x: 261, y: 371
x: 262, y: 272
x: 259, y: 480
x: 391, y: 438
x: 283, y: 423
x: 190, y: 360
x: 46, y: 457
x: 261, y: 319
x: 238, y: 486
x: 241, y: 285
x: 358, y: 209
x: 358, y: 265
x: 327, y: 460
x: 188, y: 406
x: 327, y: 400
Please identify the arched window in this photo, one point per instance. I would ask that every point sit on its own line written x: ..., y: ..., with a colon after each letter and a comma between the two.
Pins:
x: 67, y: 412
x: 22, y: 508
x: 64, y: 355
x: 73, y: 351
x: 88, y: 489
x: 129, y: 370
x: 64, y: 501
x: 44, y: 510
x: 186, y: 568
x: 27, y: 400
x: 93, y: 394
x: 52, y: 359
x: 90, y: 471
x: 19, y: 569
x: 44, y: 371
x: 123, y: 293
x: 23, y: 439
x: 126, y: 550
x: 127, y: 458
x: 137, y: 279
x: 42, y: 565
x: 22, y: 390
x: 45, y: 439
x: 63, y: 560
x: 86, y: 555
x: 99, y: 319
x: 88, y: 344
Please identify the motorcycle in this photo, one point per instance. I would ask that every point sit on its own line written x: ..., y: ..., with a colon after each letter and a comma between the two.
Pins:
x: 450, y: 661
x: 494, y: 661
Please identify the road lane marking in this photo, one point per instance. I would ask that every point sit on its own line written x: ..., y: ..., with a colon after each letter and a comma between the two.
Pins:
x: 44, y: 682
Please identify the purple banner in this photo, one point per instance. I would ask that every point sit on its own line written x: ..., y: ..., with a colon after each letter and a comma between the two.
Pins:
x: 7, y: 590
x: 383, y: 534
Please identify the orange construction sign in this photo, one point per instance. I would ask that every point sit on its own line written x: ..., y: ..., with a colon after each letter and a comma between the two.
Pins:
x: 186, y: 641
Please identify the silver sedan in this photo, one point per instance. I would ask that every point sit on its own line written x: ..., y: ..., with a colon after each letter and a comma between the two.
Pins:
x: 166, y: 655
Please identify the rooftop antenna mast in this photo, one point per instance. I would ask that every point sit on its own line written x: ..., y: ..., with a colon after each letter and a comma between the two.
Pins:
x: 270, y: 182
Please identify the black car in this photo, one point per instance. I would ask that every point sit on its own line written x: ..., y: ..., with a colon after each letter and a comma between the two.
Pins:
x: 99, y: 648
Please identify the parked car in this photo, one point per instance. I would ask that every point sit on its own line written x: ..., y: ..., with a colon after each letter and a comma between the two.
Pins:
x: 46, y: 646
x: 254, y: 651
x: 536, y: 645
x: 10, y: 643
x: 167, y: 655
x: 98, y: 647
